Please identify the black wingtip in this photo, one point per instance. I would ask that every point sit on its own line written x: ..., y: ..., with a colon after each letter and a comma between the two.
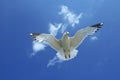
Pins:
x: 99, y: 25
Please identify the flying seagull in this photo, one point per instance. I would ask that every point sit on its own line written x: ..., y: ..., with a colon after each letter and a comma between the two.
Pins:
x: 66, y: 46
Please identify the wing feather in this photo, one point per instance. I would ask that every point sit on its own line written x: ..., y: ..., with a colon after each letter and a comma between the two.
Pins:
x: 47, y: 38
x: 80, y: 35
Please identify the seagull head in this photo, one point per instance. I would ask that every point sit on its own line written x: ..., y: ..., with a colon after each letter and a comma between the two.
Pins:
x: 35, y: 36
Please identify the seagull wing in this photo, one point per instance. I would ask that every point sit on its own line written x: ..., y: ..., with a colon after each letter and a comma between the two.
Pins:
x: 80, y: 35
x: 47, y: 38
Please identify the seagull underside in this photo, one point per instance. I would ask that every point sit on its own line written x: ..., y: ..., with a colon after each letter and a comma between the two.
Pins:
x: 66, y: 46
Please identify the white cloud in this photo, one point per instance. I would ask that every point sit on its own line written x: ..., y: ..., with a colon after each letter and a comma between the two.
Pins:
x: 57, y: 27
x: 71, y: 19
x: 70, y: 16
x: 54, y: 28
x: 53, y: 61
x: 94, y: 38
x: 63, y: 28
x: 73, y: 54
x: 37, y: 46
x: 60, y: 58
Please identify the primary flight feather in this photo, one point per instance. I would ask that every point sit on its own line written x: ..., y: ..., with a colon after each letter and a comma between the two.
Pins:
x: 66, y: 46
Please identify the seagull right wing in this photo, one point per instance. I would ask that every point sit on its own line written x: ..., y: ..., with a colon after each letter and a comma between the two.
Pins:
x: 47, y: 38
x: 80, y: 35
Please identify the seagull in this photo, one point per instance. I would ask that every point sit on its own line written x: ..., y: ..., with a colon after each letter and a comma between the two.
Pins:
x: 66, y: 46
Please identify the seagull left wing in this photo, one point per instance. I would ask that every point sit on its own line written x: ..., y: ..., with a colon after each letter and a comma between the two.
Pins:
x: 80, y: 35
x: 47, y: 38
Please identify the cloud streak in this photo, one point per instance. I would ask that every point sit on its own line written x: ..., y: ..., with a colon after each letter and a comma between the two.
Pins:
x: 70, y: 19
x: 37, y: 46
x: 53, y: 61
x: 54, y: 28
x: 94, y: 38
x: 70, y: 16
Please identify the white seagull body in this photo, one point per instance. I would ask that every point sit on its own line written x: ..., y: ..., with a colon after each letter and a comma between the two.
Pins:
x: 66, y: 46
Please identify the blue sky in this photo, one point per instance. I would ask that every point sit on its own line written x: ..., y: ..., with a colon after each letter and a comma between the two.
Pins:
x: 97, y: 59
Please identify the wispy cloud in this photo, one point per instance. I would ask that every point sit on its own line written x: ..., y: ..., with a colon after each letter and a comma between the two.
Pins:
x: 54, y: 28
x: 59, y: 59
x: 37, y: 46
x: 94, y: 38
x: 53, y: 61
x: 69, y: 19
x: 70, y: 16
